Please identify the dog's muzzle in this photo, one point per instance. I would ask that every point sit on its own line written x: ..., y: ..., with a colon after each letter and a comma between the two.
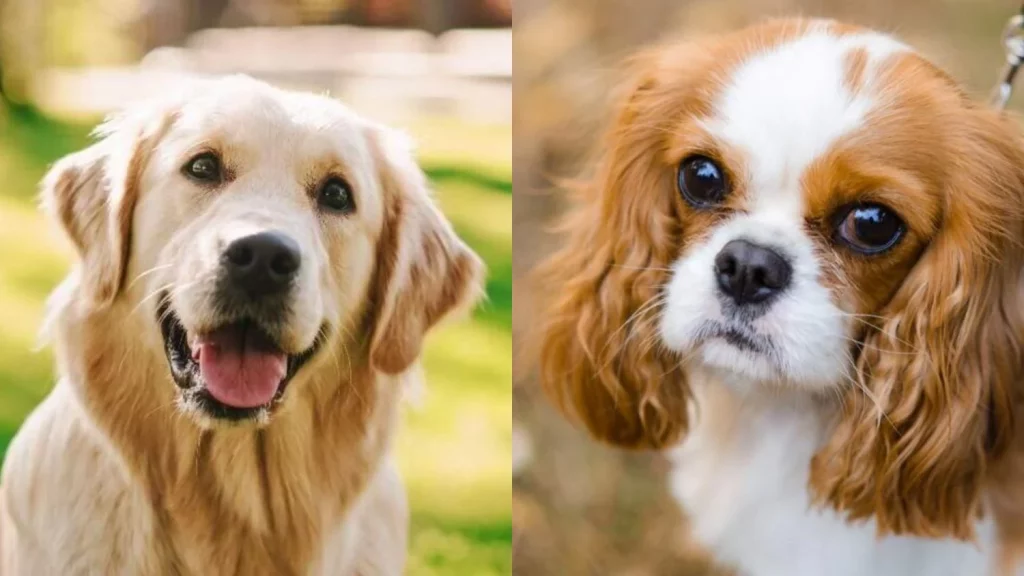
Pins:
x: 238, y: 369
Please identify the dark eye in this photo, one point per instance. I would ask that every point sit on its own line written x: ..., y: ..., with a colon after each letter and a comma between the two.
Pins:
x: 870, y: 228
x: 335, y: 194
x: 702, y: 182
x: 204, y: 167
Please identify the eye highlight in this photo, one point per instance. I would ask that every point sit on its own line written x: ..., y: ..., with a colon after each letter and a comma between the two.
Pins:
x: 701, y: 181
x: 335, y: 194
x: 205, y: 167
x: 870, y: 228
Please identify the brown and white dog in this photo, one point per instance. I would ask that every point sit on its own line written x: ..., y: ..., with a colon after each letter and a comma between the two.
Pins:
x: 797, y: 269
x: 258, y: 269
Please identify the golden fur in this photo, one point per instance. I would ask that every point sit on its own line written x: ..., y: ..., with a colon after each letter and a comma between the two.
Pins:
x: 109, y: 476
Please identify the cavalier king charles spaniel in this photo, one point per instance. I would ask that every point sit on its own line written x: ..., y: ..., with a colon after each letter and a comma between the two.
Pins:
x: 796, y: 268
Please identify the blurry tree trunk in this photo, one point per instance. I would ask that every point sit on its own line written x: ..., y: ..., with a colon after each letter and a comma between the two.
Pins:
x: 205, y: 13
x: 397, y: 13
x: 169, y: 22
x: 439, y: 16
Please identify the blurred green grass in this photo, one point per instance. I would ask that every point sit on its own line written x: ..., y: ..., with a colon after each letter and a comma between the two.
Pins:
x: 455, y: 446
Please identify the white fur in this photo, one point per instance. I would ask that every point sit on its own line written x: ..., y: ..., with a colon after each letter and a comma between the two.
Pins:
x: 741, y: 475
x: 782, y: 109
x: 742, y: 472
x: 785, y: 107
x: 807, y: 329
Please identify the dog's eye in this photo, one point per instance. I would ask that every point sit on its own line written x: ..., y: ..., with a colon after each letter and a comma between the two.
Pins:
x: 870, y: 228
x: 701, y: 181
x: 335, y: 194
x: 205, y: 167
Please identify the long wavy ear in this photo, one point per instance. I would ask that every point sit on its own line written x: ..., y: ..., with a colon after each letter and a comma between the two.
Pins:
x: 938, y: 376
x: 424, y: 271
x: 600, y: 293
x: 92, y: 195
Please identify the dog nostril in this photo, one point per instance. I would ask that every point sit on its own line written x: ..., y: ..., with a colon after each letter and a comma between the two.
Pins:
x: 758, y: 276
x: 774, y: 275
x: 240, y: 254
x: 725, y: 264
x: 284, y: 263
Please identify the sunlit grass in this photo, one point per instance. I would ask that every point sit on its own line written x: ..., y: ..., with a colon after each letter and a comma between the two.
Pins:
x: 454, y: 448
x: 484, y: 150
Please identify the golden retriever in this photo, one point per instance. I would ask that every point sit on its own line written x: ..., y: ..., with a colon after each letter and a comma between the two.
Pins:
x: 258, y: 269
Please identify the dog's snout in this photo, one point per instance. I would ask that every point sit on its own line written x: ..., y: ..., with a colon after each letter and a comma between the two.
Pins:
x: 263, y: 263
x: 749, y: 273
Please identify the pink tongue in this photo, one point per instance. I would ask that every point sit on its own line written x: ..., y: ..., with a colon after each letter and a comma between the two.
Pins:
x: 238, y: 375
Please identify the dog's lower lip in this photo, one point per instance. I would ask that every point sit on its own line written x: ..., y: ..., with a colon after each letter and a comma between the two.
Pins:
x: 738, y: 338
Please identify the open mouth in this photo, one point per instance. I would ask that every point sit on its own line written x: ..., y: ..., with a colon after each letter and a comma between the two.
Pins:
x: 236, y: 371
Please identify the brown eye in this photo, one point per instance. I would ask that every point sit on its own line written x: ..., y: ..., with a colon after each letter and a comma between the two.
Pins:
x: 701, y: 182
x: 336, y: 195
x: 870, y: 228
x: 205, y: 168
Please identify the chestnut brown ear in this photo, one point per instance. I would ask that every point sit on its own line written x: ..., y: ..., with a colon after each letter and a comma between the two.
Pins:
x: 937, y: 378
x: 424, y: 271
x: 92, y: 195
x: 600, y: 292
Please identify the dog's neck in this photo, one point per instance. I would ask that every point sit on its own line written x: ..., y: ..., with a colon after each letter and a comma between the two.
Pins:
x: 277, y: 489
x: 721, y: 397
x: 746, y: 420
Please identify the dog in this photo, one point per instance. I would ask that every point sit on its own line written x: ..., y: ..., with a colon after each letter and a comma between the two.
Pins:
x: 796, y: 269
x: 257, y: 271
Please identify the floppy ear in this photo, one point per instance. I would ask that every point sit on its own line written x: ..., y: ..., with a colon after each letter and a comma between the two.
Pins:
x: 424, y: 271
x: 92, y: 195
x: 938, y: 376
x: 600, y: 293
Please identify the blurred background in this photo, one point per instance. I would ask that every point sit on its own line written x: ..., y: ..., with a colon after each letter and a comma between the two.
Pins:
x: 579, y: 508
x: 441, y: 69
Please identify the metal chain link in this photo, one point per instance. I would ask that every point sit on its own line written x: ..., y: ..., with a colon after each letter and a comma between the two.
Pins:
x: 1013, y: 42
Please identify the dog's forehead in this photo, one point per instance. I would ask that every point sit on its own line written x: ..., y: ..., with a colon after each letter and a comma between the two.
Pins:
x: 785, y: 105
x: 248, y: 111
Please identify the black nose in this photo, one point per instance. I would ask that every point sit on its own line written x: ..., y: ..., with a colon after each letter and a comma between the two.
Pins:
x: 262, y: 264
x: 749, y: 273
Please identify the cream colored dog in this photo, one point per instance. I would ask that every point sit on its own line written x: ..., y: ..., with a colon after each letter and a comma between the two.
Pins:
x: 258, y: 270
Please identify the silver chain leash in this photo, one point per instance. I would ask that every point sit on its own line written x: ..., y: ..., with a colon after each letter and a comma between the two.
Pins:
x: 1013, y: 42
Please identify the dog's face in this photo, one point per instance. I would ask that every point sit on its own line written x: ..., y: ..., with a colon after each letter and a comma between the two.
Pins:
x: 809, y: 205
x: 806, y: 199
x: 257, y: 227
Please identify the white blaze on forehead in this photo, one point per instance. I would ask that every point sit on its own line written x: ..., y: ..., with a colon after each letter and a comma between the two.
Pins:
x: 785, y: 105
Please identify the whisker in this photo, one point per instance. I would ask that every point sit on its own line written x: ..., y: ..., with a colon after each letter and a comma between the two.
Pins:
x: 159, y: 290
x: 174, y: 290
x: 871, y: 396
x: 641, y: 268
x: 649, y: 305
x: 148, y: 272
x: 651, y: 302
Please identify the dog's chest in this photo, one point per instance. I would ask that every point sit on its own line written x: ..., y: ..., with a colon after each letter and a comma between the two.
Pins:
x: 741, y: 476
x: 248, y: 552
x: 276, y: 528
